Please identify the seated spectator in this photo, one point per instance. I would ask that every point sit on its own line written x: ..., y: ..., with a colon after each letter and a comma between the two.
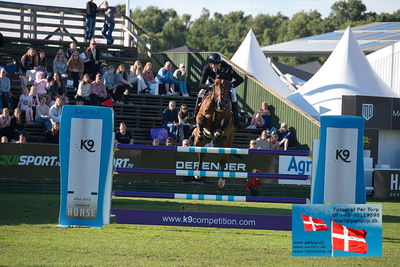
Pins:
x: 84, y: 91
x: 185, y: 142
x: 25, y: 104
x: 284, y: 136
x: 72, y: 47
x: 75, y: 68
x: 263, y: 142
x: 55, y: 111
x: 156, y: 142
x: 180, y: 76
x: 253, y: 144
x: 17, y: 124
x: 5, y: 120
x: 53, y: 135
x: 136, y: 77
x: 184, y: 126
x: 123, y: 136
x: 57, y: 89
x: 122, y: 83
x: 34, y: 99
x: 4, y: 139
x: 21, y: 139
x: 109, y: 82
x: 93, y: 63
x: 29, y: 61
x: 169, y: 141
x: 148, y: 77
x: 41, y: 84
x: 261, y: 118
x: 98, y: 91
x: 60, y: 64
x: 6, y: 95
x: 165, y: 77
x: 170, y: 119
x: 43, y: 114
x: 42, y: 62
x: 274, y: 141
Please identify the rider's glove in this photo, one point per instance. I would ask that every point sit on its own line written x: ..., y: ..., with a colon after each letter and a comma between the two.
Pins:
x: 211, y: 86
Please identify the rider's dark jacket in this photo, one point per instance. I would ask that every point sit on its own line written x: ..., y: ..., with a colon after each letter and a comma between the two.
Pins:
x: 226, y: 71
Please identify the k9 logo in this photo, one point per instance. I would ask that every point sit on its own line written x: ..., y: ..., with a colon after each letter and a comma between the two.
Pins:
x: 343, y: 154
x: 87, y: 144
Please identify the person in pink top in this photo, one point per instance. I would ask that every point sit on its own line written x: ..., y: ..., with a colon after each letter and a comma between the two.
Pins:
x: 98, y: 91
x: 41, y: 83
x: 148, y: 77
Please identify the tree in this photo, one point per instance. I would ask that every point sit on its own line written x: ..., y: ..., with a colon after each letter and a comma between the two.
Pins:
x: 347, y: 11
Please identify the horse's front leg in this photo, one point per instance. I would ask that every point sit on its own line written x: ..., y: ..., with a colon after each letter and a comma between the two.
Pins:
x: 224, y: 124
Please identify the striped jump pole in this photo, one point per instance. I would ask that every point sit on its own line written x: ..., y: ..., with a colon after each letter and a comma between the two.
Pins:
x: 216, y: 150
x: 212, y: 173
x: 211, y: 197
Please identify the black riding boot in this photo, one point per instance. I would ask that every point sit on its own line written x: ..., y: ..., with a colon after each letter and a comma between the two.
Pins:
x: 235, y: 112
x: 192, y: 119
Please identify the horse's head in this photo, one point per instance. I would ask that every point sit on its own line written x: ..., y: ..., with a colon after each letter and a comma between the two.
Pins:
x: 221, y: 94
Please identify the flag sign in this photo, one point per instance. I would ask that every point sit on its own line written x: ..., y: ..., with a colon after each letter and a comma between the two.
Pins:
x: 337, y: 230
x: 313, y: 224
x: 348, y: 239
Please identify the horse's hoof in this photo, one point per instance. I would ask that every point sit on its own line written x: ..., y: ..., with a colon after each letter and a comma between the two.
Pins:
x: 201, y: 138
x: 217, y: 134
x: 197, y: 177
x: 221, y: 183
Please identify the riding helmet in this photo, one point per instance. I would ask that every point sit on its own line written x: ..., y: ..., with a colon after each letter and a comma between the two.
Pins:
x: 214, y: 58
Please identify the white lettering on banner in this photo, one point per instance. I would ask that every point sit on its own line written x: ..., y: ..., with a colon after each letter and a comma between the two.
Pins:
x: 190, y: 165
x: 26, y: 160
x: 394, y: 182
x: 122, y: 163
x: 396, y: 113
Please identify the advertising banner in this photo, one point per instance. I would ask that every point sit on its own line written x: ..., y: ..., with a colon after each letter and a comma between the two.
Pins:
x: 387, y: 184
x: 295, y: 165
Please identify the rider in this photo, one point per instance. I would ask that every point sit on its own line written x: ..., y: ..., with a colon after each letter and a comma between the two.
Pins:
x: 215, y: 67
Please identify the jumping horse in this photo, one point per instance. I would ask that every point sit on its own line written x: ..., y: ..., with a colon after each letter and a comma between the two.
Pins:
x: 215, y: 122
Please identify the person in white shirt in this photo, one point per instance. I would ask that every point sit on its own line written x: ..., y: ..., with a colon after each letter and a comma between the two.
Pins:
x: 55, y: 111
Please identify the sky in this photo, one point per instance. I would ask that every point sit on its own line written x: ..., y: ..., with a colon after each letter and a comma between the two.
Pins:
x: 253, y: 7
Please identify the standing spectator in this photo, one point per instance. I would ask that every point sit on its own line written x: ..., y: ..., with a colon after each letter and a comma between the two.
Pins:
x: 72, y: 47
x: 263, y: 142
x: 136, y: 77
x: 110, y: 82
x: 284, y: 136
x: 55, y: 111
x: 180, y: 76
x: 84, y: 91
x: 29, y: 61
x: 42, y: 114
x: 21, y: 139
x: 42, y: 62
x: 170, y: 119
x: 98, y: 91
x: 53, y: 135
x: 261, y: 118
x: 156, y: 142
x: 274, y: 141
x: 5, y: 89
x: 34, y: 99
x: 93, y: 63
x: 5, y: 120
x: 165, y: 77
x: 91, y: 9
x: 123, y: 136
x: 17, y: 124
x: 25, y: 104
x: 109, y: 21
x: 58, y: 89
x: 4, y: 139
x: 60, y: 64
x: 75, y: 68
x: 148, y: 77
x: 122, y: 83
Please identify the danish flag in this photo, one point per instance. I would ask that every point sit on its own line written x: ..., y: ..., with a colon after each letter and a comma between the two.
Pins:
x: 312, y: 224
x: 348, y: 239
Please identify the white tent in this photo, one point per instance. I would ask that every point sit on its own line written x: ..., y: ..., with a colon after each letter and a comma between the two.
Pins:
x: 346, y: 72
x: 250, y: 58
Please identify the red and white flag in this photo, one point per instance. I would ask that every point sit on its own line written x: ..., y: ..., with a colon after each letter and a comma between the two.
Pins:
x: 313, y: 224
x: 348, y: 239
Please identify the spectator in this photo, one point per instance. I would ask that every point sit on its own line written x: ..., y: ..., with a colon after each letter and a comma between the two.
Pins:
x: 156, y: 142
x: 42, y: 62
x: 55, y: 111
x: 166, y: 78
x: 5, y: 120
x: 42, y: 114
x: 34, y: 99
x: 58, y: 89
x: 4, y: 139
x: 98, y: 91
x: 253, y: 144
x: 109, y: 21
x: 72, y: 47
x: 284, y: 136
x: 122, y: 83
x: 93, y: 63
x: 274, y: 141
x: 261, y: 118
x: 169, y: 141
x: 148, y: 77
x: 25, y: 104
x: 263, y: 142
x: 91, y: 9
x: 75, y: 68
x: 29, y: 62
x: 21, y: 139
x: 123, y: 136
x: 53, y: 135
x: 180, y: 76
x: 110, y: 82
x: 60, y: 64
x: 184, y: 125
x: 5, y: 89
x: 41, y: 83
x: 17, y: 124
x: 170, y: 119
x: 185, y: 142
x: 136, y: 77
x: 84, y: 91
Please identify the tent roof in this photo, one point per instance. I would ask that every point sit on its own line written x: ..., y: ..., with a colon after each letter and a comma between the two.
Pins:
x: 250, y: 58
x: 346, y: 72
x: 371, y: 37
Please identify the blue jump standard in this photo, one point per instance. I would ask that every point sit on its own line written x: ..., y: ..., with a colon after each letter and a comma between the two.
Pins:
x: 211, y: 197
x: 212, y: 173
x: 203, y: 219
x: 215, y: 150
